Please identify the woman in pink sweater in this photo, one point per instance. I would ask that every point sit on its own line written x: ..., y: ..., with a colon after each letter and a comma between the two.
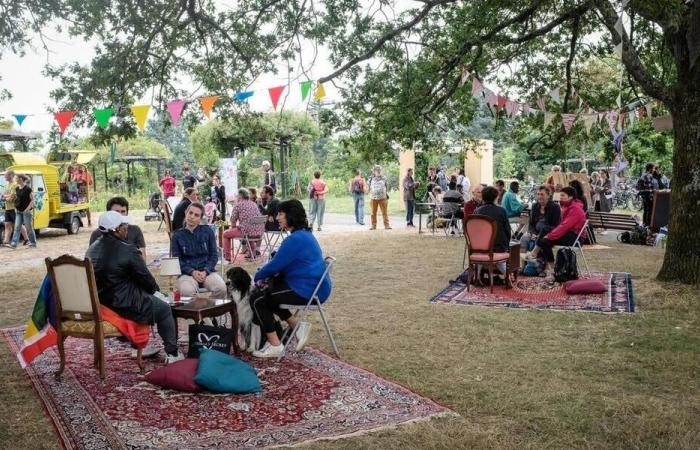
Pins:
x: 317, y: 200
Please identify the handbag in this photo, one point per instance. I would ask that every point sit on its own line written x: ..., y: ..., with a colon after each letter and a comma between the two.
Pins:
x: 211, y: 337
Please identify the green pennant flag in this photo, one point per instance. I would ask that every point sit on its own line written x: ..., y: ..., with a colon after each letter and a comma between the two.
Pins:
x: 102, y: 117
x: 305, y: 89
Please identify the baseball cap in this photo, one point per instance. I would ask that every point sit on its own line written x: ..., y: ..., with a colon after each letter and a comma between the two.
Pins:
x: 111, y: 220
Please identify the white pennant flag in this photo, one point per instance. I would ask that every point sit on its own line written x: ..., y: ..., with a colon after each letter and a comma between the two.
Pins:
x: 511, y: 108
x: 548, y: 118
x: 465, y: 77
x: 601, y: 116
x: 618, y: 49
x: 554, y: 93
x: 619, y: 27
x: 477, y: 87
x: 588, y: 121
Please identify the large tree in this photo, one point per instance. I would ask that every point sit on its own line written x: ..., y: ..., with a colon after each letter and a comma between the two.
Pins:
x: 399, y: 64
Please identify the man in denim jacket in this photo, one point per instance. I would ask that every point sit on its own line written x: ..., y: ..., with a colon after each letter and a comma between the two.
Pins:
x: 195, y: 246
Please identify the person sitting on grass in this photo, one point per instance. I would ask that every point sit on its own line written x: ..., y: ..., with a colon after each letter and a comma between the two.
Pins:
x: 125, y: 285
x: 288, y: 279
x: 572, y: 221
x: 241, y: 224
x: 134, y: 235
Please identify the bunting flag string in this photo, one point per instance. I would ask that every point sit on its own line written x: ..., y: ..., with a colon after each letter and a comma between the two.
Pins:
x: 20, y: 118
x: 568, y: 121
x: 63, y: 118
x: 588, y: 121
x: 554, y: 93
x: 275, y: 93
x: 548, y: 119
x: 207, y: 103
x: 102, y: 117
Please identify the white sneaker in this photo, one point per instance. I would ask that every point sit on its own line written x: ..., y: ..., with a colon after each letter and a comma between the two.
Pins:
x: 147, y: 352
x: 269, y: 351
x: 169, y: 359
x: 302, y: 334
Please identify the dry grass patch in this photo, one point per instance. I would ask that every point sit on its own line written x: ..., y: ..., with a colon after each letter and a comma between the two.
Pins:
x: 525, y: 379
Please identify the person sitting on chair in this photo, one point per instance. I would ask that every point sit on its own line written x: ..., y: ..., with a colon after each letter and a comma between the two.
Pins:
x: 134, y: 236
x: 503, y: 232
x: 125, y: 285
x: 545, y: 215
x: 195, y: 247
x: 289, y: 279
x: 241, y: 224
x: 191, y: 195
x: 268, y: 207
x: 572, y: 221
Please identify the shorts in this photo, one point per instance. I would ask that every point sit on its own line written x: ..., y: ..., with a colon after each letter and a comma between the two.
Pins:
x: 10, y: 216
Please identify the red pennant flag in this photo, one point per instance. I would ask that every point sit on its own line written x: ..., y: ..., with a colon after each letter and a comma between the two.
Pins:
x: 275, y: 93
x: 63, y: 118
x: 568, y: 121
x: 501, y: 102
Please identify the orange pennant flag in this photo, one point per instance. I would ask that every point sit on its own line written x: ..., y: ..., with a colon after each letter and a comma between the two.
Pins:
x: 207, y: 104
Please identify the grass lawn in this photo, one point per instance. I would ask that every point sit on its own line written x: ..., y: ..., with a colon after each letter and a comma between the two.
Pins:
x: 519, y: 379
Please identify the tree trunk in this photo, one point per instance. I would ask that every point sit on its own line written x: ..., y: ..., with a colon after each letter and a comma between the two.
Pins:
x: 682, y: 258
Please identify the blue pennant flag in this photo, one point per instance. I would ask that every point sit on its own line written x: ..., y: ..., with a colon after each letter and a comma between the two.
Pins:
x: 20, y: 118
x: 240, y: 97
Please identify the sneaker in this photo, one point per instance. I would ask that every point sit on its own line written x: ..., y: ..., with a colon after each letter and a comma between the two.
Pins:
x: 269, y: 351
x: 169, y: 359
x: 318, y: 229
x: 31, y: 246
x: 302, y: 334
x: 8, y: 245
x: 373, y: 228
x: 387, y: 228
x: 147, y: 352
x: 26, y: 242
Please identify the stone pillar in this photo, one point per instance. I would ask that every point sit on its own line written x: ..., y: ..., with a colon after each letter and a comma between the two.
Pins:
x: 478, y: 161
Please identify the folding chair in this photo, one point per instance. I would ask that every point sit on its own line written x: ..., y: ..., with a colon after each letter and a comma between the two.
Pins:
x: 314, y: 304
x: 246, y: 239
x: 273, y: 239
x: 577, y: 244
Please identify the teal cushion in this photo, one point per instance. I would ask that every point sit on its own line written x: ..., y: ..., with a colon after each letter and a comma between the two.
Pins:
x: 220, y: 372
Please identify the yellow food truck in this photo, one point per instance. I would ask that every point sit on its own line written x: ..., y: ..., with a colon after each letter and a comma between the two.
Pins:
x: 59, y: 201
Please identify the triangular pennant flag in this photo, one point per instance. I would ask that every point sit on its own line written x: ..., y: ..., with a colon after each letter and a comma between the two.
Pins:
x: 464, y: 77
x: 305, y: 89
x: 588, y: 121
x: 140, y: 113
x: 649, y: 108
x: 207, y: 103
x: 618, y: 26
x: 612, y: 120
x: 601, y: 116
x: 240, y: 97
x: 477, y: 87
x: 618, y: 100
x: 526, y: 109
x: 320, y: 92
x: 63, y: 119
x: 19, y: 118
x: 548, y: 118
x: 554, y: 93
x: 492, y: 99
x: 275, y: 93
x: 511, y: 108
x: 618, y: 49
x: 501, y: 102
x: 175, y: 108
x: 102, y: 117
x: 568, y: 121
x: 540, y: 103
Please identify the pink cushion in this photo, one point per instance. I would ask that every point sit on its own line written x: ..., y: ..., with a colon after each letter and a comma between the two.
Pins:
x: 178, y: 376
x: 584, y: 286
x: 485, y: 256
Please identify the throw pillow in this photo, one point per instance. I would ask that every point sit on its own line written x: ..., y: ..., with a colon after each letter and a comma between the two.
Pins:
x: 584, y: 286
x: 220, y: 372
x: 178, y: 376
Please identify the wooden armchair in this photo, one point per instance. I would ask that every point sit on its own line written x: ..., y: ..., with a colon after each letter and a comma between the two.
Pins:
x: 78, y: 308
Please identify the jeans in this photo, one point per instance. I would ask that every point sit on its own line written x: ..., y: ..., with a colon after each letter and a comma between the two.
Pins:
x: 164, y: 320
x: 27, y: 219
x: 317, y: 208
x: 410, y: 204
x: 359, y: 201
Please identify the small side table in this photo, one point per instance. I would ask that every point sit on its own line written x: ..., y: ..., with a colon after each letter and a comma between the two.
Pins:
x: 201, y: 308
x: 514, y: 261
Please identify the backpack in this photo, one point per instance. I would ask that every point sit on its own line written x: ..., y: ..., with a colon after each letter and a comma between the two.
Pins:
x: 565, y: 267
x: 638, y: 236
x: 357, y: 186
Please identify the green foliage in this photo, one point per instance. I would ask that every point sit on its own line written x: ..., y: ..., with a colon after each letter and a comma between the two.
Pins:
x: 175, y: 139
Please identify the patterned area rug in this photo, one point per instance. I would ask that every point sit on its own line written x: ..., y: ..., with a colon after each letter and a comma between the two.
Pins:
x: 537, y: 293
x: 308, y: 396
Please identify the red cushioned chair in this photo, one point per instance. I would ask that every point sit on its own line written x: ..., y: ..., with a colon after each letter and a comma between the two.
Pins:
x: 480, y: 234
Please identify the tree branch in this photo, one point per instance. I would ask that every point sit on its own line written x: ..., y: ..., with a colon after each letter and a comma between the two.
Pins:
x: 572, y: 54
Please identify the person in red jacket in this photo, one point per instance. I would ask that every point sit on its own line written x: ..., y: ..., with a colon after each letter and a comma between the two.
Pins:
x: 573, y: 218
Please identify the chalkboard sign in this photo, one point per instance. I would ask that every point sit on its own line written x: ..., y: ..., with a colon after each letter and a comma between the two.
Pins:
x: 661, y: 211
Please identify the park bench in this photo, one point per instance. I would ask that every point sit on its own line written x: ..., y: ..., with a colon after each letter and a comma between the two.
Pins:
x: 610, y: 221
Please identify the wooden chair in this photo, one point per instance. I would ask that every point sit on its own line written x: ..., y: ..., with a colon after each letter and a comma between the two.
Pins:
x: 167, y: 217
x: 480, y: 235
x: 78, y: 308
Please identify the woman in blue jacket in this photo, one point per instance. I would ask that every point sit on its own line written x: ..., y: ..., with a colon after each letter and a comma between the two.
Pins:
x: 289, y: 279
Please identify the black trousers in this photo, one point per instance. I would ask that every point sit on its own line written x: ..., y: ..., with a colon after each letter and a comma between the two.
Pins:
x: 648, y: 201
x: 546, y: 245
x: 265, y: 304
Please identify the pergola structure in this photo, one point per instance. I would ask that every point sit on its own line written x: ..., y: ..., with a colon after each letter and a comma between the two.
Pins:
x: 129, y: 161
x: 17, y: 136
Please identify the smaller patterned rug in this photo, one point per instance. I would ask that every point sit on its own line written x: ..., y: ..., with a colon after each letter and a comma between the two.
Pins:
x: 537, y: 293
x: 307, y: 396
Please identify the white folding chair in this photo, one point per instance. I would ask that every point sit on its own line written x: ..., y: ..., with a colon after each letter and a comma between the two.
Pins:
x: 246, y: 239
x: 577, y: 244
x: 314, y: 304
x: 273, y: 239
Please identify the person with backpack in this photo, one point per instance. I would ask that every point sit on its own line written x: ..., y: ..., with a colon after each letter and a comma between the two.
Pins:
x: 409, y: 196
x: 647, y: 185
x: 573, y: 218
x: 379, y: 196
x: 317, y: 200
x: 358, y: 188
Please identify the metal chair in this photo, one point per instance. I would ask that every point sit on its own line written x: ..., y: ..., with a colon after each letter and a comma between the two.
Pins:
x: 577, y: 244
x: 78, y: 308
x: 314, y: 304
x: 273, y: 239
x: 246, y: 239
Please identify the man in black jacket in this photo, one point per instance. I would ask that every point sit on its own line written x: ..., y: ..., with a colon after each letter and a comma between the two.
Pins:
x: 124, y: 283
x: 191, y: 195
x: 545, y: 215
x: 490, y: 209
x: 268, y: 207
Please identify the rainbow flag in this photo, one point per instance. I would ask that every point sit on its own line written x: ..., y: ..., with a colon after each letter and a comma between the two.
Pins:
x: 40, y: 333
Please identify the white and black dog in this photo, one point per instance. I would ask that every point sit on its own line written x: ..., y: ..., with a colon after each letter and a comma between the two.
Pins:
x: 239, y: 284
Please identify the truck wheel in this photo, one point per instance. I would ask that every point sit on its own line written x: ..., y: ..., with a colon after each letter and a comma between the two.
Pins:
x: 74, y: 226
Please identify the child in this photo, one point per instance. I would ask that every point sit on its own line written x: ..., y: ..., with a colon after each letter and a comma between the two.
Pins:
x: 210, y: 211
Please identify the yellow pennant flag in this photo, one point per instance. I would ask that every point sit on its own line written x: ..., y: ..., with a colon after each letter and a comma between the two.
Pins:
x: 320, y: 92
x: 208, y: 103
x: 140, y: 113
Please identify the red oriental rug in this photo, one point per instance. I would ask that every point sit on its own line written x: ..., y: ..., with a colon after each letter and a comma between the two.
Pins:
x: 308, y: 396
x: 537, y: 293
